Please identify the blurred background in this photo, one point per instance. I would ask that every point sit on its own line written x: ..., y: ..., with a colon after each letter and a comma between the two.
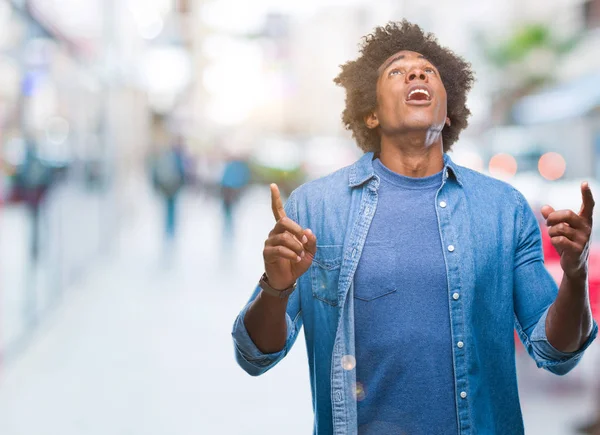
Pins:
x: 137, y: 141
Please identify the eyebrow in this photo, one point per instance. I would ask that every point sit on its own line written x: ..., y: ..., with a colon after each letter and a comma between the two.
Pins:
x: 399, y: 58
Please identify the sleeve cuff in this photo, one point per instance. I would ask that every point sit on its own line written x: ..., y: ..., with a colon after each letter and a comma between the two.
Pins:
x: 246, y: 347
x: 549, y: 353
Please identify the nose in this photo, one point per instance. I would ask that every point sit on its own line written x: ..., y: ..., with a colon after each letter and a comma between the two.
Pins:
x: 416, y: 74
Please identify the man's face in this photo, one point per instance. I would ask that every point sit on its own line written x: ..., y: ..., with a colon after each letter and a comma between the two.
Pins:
x: 410, y: 95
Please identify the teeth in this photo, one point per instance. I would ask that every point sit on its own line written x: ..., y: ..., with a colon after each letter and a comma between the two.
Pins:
x: 423, y: 91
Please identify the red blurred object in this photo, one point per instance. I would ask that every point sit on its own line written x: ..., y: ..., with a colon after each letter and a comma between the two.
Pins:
x: 552, y: 262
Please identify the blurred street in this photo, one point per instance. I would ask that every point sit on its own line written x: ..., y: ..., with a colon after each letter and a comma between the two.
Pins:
x: 142, y: 345
x: 138, y: 139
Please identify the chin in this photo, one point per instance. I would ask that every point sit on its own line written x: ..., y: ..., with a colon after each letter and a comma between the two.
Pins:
x: 419, y: 125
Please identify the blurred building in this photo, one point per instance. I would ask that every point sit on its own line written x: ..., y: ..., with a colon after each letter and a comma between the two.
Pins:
x: 77, y: 86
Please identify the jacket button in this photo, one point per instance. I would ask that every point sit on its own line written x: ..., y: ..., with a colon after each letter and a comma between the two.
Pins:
x: 460, y: 344
x: 443, y: 204
x: 450, y: 248
x: 455, y: 296
x: 463, y: 394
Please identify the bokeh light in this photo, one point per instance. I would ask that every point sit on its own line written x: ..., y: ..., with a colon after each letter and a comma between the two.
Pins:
x: 359, y: 392
x: 348, y: 362
x: 57, y: 130
x: 150, y: 29
x: 552, y: 166
x: 469, y: 159
x: 503, y: 166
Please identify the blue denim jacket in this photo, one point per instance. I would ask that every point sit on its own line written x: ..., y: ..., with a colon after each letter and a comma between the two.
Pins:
x: 497, y: 282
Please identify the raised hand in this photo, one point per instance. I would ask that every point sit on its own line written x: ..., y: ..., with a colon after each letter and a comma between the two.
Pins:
x: 289, y: 249
x: 570, y: 234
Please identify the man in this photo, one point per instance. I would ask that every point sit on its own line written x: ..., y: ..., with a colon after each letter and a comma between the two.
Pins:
x: 168, y: 176
x: 235, y: 178
x: 410, y: 272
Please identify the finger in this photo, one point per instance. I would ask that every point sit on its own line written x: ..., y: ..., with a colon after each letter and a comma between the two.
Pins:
x: 288, y: 240
x: 546, y: 210
x: 276, y: 204
x: 568, y: 216
x: 287, y: 224
x: 561, y: 243
x: 273, y: 253
x: 587, y: 208
x: 311, y: 244
x: 563, y: 229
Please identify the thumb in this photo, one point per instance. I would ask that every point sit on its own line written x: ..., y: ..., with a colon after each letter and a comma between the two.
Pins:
x: 546, y: 210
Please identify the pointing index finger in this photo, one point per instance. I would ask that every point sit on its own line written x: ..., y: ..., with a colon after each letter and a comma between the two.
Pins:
x: 587, y: 208
x: 276, y: 204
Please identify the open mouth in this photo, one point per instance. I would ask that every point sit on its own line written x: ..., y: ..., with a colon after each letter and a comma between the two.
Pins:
x: 419, y: 94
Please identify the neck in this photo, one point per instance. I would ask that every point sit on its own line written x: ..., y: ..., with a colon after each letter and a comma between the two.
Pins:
x: 415, y: 154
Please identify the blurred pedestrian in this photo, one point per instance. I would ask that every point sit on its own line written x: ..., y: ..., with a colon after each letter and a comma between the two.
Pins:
x: 169, y: 176
x: 235, y: 178
x: 419, y: 269
x: 32, y: 180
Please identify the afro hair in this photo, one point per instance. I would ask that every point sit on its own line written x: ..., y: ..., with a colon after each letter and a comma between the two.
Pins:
x: 359, y: 78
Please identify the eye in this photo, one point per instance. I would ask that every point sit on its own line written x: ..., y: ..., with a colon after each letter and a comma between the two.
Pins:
x: 396, y: 71
x: 429, y: 70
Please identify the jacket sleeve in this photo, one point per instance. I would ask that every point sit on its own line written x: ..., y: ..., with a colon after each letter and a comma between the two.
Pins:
x: 248, y: 356
x: 534, y: 291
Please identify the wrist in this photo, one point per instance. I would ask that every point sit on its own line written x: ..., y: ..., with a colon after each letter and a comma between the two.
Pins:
x: 275, y: 290
x: 278, y: 286
x: 578, y: 277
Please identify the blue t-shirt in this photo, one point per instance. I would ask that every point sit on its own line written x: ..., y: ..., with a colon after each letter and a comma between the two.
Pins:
x: 405, y: 379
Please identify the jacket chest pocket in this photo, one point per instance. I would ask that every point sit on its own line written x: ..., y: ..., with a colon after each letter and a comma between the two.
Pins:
x: 325, y: 273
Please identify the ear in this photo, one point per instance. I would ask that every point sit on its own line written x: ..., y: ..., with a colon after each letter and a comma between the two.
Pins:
x: 448, y: 122
x: 371, y: 120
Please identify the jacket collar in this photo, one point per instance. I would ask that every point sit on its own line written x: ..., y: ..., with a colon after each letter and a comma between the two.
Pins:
x: 362, y: 170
